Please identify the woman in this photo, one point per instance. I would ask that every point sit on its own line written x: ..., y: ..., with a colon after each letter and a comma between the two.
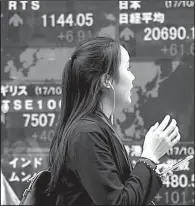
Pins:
x: 88, y: 161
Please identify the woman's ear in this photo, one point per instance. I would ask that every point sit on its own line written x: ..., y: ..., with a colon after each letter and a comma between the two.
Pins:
x: 105, y: 80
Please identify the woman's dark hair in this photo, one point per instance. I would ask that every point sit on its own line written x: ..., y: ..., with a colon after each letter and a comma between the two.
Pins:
x: 81, y: 92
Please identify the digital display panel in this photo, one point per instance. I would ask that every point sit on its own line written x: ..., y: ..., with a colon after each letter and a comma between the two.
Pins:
x: 38, y: 37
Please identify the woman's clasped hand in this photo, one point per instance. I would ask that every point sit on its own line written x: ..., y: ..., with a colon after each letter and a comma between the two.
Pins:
x: 160, y: 138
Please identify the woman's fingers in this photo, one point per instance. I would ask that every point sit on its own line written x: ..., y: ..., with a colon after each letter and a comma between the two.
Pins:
x: 170, y: 173
x: 173, y: 134
x: 165, y: 176
x: 163, y: 124
x: 153, y: 128
x: 176, y: 140
x: 171, y: 127
x: 163, y: 166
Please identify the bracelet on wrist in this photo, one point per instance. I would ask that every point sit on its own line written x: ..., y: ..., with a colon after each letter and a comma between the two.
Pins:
x: 152, y: 167
x: 149, y: 161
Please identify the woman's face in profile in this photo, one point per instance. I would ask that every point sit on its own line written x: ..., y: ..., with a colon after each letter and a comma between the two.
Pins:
x: 125, y: 84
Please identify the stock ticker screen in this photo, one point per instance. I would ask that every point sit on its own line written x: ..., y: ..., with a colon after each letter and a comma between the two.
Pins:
x: 38, y: 37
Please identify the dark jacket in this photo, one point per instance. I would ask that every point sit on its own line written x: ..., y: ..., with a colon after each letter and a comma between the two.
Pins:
x: 99, y: 169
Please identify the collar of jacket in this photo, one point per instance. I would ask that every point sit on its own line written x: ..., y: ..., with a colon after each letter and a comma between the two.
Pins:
x: 101, y: 115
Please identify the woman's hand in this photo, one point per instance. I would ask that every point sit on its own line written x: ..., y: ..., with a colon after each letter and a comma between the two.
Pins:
x: 161, y: 168
x: 159, y: 140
